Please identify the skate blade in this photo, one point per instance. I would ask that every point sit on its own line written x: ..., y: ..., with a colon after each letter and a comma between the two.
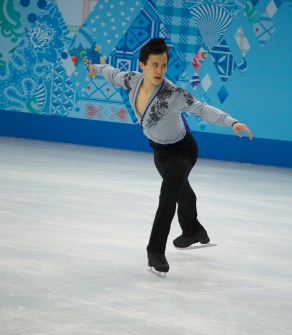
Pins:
x: 157, y: 273
x: 202, y: 246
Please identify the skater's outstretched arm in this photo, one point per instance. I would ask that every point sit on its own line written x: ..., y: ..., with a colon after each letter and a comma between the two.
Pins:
x: 115, y: 76
x: 186, y: 102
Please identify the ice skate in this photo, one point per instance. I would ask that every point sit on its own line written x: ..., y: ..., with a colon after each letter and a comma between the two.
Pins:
x: 158, y: 264
x: 185, y: 241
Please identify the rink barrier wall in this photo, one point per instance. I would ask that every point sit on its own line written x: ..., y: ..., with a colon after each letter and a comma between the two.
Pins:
x: 130, y: 137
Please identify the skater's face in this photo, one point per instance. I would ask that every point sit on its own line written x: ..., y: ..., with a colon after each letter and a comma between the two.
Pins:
x: 154, y: 69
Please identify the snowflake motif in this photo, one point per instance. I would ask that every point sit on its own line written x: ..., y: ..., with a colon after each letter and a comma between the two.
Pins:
x: 127, y: 79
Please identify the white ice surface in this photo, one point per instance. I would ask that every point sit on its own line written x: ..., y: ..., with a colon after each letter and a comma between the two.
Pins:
x: 74, y: 225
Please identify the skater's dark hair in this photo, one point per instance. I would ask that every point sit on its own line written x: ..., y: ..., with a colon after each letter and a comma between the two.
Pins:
x: 155, y: 46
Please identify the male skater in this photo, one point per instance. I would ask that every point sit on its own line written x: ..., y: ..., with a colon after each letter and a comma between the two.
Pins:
x: 158, y: 105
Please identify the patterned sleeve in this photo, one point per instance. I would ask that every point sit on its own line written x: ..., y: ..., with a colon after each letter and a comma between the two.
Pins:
x: 187, y: 103
x: 115, y: 76
x: 127, y: 80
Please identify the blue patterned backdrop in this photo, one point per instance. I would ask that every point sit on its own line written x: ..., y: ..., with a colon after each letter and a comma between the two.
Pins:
x: 232, y: 54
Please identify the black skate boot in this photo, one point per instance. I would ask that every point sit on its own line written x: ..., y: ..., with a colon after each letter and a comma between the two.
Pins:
x: 158, y: 262
x: 185, y: 241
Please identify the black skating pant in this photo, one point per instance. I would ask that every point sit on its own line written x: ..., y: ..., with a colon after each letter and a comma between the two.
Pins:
x: 174, y: 163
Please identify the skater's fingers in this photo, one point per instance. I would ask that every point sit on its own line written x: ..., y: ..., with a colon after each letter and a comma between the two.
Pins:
x: 237, y: 127
x: 248, y: 133
x: 91, y: 71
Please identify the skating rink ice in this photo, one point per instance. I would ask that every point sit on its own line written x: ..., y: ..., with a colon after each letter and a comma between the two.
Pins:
x: 74, y: 226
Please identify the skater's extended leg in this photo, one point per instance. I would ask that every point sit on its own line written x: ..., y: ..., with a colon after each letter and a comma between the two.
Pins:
x: 187, y: 211
x: 192, y: 230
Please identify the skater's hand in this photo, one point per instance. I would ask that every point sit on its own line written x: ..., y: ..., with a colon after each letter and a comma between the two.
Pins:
x: 91, y: 72
x: 241, y: 126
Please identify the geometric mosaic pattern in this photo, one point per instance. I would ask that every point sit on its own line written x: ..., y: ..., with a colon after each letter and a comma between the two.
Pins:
x: 76, y: 18
x: 223, y: 59
x: 242, y: 41
x: 212, y: 21
x: 101, y: 101
x: 147, y: 24
x: 110, y: 20
x: 46, y: 46
x: 263, y: 25
x: 244, y: 46
x: 125, y: 55
x: 180, y: 26
x: 222, y: 94
x: 62, y: 98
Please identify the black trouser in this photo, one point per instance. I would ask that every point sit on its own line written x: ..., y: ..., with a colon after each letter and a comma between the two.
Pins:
x: 174, y: 163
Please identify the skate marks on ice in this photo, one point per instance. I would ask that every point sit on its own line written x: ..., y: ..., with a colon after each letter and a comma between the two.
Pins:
x: 162, y: 275
x: 202, y: 246
x: 158, y: 274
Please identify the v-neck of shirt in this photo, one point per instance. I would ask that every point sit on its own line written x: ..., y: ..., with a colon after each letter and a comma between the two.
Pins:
x: 150, y: 99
